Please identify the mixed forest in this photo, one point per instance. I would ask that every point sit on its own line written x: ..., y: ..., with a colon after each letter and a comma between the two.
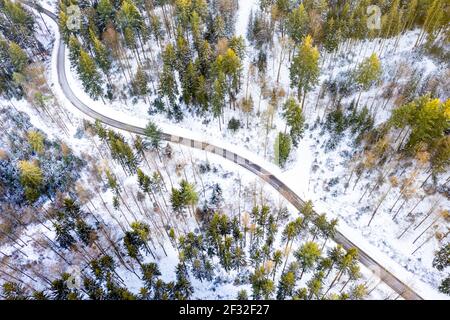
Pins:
x: 92, y: 212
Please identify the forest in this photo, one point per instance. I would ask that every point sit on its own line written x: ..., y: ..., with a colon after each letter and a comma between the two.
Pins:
x: 354, y: 118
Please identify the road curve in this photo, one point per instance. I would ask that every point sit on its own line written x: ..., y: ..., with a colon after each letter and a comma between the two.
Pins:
x: 392, y: 281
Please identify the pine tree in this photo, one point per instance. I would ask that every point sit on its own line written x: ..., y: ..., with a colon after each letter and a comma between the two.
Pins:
x: 89, y: 75
x: 442, y: 258
x: 368, y: 72
x: 61, y: 291
x: 140, y: 83
x: 189, y: 84
x: 435, y: 18
x: 93, y: 289
x: 102, y: 55
x: 102, y: 267
x: 358, y: 292
x: 298, y: 23
x: 14, y: 291
x: 344, y: 261
x: 228, y: 66
x: 354, y: 274
x: 440, y: 158
x: 105, y: 12
x: 286, y: 285
x: 218, y: 97
x: 177, y: 200
x: 332, y: 35
x: 444, y: 287
x: 154, y: 135
x: 242, y: 295
x: 262, y: 286
x: 294, y: 119
x: 290, y: 233
x: 84, y: 231
x: 150, y: 274
x: 189, y: 194
x: 427, y: 119
x: 74, y: 51
x: 133, y: 243
x: 392, y: 20
x: 167, y: 84
x: 63, y: 235
x: 308, y: 255
x: 201, y: 94
x: 183, y: 287
x: 315, y: 285
x: 282, y: 148
x: 410, y: 14
x: 18, y: 56
x: 304, y: 71
x: 40, y: 295
x: 237, y: 44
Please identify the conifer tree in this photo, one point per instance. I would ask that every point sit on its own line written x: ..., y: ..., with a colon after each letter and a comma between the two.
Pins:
x: 154, y: 135
x: 74, y: 51
x: 89, y: 75
x: 61, y: 291
x: 444, y: 287
x: 307, y: 256
x: 36, y: 141
x: 140, y: 83
x: 427, y: 119
x: 18, y: 56
x: 282, y: 148
x: 218, y: 97
x: 14, y: 291
x: 367, y: 73
x: 442, y: 258
x: 183, y: 287
x: 286, y: 286
x: 294, y: 119
x: 242, y: 295
x: 262, y: 286
x: 392, y: 20
x: 189, y: 194
x: 31, y: 178
x: 102, y: 55
x: 304, y: 70
x: 105, y: 12
x: 298, y: 23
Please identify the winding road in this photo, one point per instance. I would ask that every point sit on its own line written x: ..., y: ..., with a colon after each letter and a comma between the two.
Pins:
x: 386, y: 276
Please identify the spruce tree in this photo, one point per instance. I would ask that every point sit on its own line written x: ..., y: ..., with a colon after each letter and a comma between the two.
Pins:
x: 294, y: 119
x: 368, y: 72
x: 89, y: 75
x: 442, y: 258
x: 154, y: 135
x: 298, y: 23
x: 304, y: 70
x: 140, y: 83
x: 286, y: 285
x: 18, y: 56
x: 282, y: 148
x: 14, y: 291
x: 308, y: 255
